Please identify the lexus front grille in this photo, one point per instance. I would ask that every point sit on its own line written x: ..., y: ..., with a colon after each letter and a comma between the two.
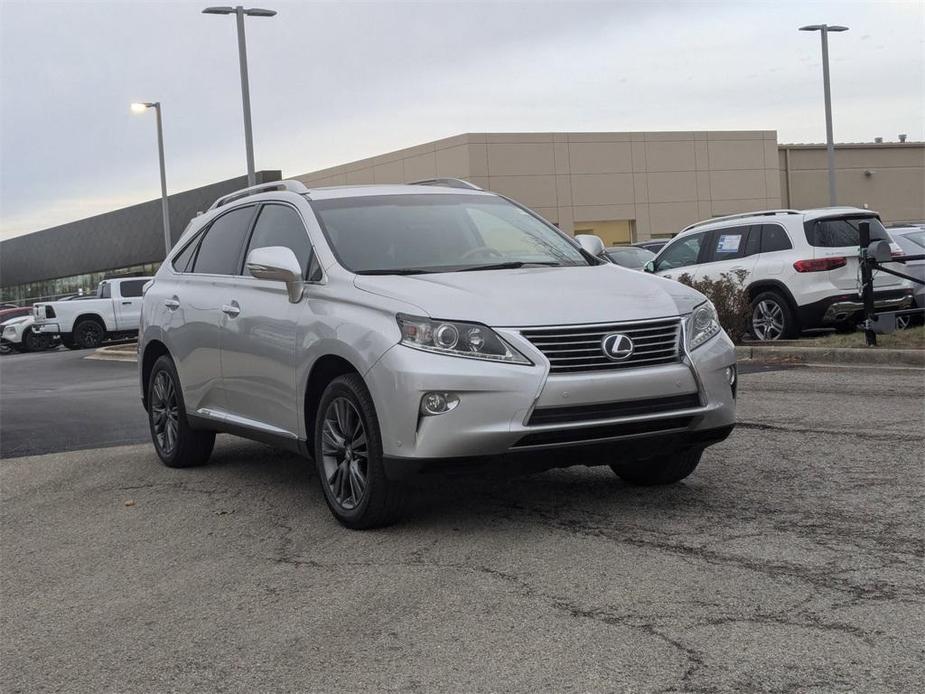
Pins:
x: 577, y: 348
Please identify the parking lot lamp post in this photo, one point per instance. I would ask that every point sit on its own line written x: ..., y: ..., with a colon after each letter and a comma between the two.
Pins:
x: 141, y: 107
x: 824, y: 30
x: 239, y: 13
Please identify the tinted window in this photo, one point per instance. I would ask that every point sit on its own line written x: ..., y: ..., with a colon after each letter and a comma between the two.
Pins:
x: 681, y: 253
x: 105, y: 291
x: 220, y: 250
x: 438, y: 233
x: 835, y: 233
x: 183, y: 262
x: 774, y: 238
x: 726, y: 244
x: 132, y: 288
x: 279, y: 225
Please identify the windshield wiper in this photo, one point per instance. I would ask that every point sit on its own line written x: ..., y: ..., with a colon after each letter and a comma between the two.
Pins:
x: 397, y: 271
x: 512, y: 265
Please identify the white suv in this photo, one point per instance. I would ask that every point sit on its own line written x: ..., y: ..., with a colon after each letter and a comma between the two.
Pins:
x: 801, y: 267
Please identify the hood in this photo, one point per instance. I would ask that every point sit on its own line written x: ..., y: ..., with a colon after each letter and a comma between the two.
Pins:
x: 538, y: 296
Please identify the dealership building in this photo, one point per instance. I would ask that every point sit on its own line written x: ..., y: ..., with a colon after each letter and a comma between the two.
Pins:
x: 624, y: 187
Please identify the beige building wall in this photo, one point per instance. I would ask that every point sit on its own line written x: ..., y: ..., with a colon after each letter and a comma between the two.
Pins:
x: 624, y: 186
x: 887, y: 177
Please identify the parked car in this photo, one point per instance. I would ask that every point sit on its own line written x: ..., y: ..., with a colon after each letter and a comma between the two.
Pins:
x: 654, y: 245
x: 911, y: 241
x: 18, y: 334
x: 395, y: 330
x: 800, y: 267
x: 87, y: 323
x: 629, y: 256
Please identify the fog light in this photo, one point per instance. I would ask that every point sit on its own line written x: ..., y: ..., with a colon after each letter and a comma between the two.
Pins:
x: 438, y: 403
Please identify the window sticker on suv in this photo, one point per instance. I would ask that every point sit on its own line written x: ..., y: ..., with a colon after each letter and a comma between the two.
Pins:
x: 728, y: 243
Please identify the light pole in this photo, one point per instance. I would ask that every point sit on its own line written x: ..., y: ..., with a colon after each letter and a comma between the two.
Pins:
x: 239, y: 13
x: 824, y: 29
x: 141, y: 107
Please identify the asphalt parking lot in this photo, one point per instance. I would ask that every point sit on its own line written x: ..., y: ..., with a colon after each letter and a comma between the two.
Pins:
x: 790, y: 561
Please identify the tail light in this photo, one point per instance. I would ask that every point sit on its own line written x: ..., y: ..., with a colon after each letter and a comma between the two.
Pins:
x: 820, y: 264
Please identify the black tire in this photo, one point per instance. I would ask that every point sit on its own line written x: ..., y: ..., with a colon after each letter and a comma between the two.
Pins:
x: 381, y: 500
x: 69, y: 342
x: 187, y: 447
x: 89, y: 334
x: 660, y: 470
x: 772, y: 318
x: 33, y: 342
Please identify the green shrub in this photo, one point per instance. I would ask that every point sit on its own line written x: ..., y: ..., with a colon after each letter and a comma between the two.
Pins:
x: 730, y: 299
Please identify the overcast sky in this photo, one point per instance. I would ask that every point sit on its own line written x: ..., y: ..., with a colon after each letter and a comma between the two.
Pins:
x: 336, y: 81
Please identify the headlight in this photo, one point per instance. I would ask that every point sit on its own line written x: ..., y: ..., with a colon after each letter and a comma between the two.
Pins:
x: 469, y: 340
x: 702, y: 324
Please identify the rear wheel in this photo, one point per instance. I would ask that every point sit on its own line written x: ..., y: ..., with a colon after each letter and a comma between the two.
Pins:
x: 348, y: 457
x: 89, y: 334
x: 177, y: 445
x: 772, y: 318
x: 660, y: 470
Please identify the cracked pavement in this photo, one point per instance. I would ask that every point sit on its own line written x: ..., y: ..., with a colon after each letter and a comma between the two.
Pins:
x: 792, y: 560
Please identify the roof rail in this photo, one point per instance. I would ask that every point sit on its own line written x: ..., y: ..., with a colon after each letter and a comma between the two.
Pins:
x: 446, y: 182
x: 741, y: 215
x: 291, y: 185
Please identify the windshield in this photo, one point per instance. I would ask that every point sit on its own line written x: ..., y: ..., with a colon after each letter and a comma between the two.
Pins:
x: 630, y: 256
x: 389, y: 234
x: 917, y: 237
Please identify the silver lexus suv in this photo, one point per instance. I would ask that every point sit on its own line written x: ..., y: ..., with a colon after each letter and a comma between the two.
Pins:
x: 392, y: 331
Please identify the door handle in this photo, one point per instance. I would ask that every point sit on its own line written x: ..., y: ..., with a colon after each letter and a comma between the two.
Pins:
x: 126, y: 303
x: 231, y: 310
x: 172, y: 304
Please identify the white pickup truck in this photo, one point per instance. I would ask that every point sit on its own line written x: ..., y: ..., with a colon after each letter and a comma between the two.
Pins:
x: 114, y: 313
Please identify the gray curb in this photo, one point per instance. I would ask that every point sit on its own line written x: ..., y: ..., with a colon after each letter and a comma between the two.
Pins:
x: 126, y: 353
x: 835, y: 355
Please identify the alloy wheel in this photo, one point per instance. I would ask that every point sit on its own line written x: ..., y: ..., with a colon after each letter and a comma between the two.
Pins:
x: 768, y: 320
x: 344, y: 453
x: 165, y: 412
x: 90, y: 333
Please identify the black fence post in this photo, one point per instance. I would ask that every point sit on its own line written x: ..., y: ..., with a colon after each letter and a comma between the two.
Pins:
x: 867, y: 284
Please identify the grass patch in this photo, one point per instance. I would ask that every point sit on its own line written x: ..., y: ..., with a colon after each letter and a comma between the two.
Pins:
x: 914, y: 338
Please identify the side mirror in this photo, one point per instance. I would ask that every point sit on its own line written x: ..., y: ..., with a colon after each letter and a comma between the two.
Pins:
x: 590, y: 243
x: 279, y: 264
x: 649, y: 267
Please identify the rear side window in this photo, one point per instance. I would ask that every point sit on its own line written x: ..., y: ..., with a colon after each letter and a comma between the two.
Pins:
x: 105, y: 291
x: 279, y: 225
x: 835, y: 233
x: 132, y: 288
x: 220, y: 250
x: 774, y: 238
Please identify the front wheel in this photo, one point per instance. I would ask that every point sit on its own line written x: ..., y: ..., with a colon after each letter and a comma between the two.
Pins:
x: 34, y: 342
x: 660, y: 470
x: 348, y: 457
x: 772, y: 318
x: 177, y: 445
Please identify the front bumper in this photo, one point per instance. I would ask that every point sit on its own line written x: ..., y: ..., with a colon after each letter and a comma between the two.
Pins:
x: 46, y: 328
x: 497, y: 403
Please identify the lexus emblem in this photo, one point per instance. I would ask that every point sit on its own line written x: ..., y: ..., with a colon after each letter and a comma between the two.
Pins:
x: 617, y: 346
